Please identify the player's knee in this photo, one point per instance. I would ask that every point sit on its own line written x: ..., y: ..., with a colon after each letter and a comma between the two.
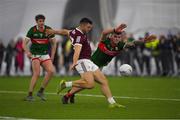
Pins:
x: 51, y: 71
x: 90, y: 85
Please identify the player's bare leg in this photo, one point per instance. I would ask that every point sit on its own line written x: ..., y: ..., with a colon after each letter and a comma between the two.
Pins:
x: 36, y: 73
x: 86, y: 81
x: 102, y: 80
x: 49, y: 68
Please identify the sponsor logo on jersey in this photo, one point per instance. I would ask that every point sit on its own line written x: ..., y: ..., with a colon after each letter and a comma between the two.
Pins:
x: 41, y: 35
x: 116, y: 48
x: 35, y: 35
x: 78, y: 39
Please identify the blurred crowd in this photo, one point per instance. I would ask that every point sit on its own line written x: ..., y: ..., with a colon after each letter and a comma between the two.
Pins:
x: 13, y: 51
x: 160, y: 57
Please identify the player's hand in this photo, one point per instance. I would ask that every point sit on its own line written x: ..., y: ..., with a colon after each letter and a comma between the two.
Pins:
x: 150, y: 38
x: 50, y: 32
x: 120, y: 28
x: 72, y: 67
x: 29, y: 55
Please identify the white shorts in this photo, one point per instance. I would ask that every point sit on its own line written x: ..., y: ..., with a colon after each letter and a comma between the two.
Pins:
x: 85, y: 65
x: 41, y: 58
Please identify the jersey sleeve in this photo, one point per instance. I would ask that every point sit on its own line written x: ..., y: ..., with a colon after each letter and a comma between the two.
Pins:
x: 29, y: 33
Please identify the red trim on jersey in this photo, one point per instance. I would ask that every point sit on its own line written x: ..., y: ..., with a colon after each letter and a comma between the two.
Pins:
x: 35, y: 59
x: 40, y: 41
x: 104, y: 49
x: 45, y: 60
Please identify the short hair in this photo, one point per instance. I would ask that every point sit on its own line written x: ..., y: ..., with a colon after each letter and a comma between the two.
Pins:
x: 117, y: 33
x: 39, y: 16
x: 85, y: 20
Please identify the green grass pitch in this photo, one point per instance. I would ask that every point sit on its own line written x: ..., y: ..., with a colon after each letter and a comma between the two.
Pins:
x: 144, y: 97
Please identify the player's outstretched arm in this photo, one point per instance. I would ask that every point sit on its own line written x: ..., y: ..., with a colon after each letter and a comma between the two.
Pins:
x: 64, y: 32
x: 146, y: 39
x: 149, y: 38
x: 117, y: 29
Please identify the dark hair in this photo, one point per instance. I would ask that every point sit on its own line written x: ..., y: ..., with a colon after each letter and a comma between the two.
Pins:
x: 118, y: 33
x: 85, y: 20
x: 40, y: 16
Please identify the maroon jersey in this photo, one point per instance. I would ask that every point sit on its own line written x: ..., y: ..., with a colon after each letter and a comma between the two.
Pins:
x: 78, y: 37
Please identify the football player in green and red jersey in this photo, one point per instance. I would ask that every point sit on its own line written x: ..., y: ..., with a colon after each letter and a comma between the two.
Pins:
x: 112, y: 43
x: 39, y: 56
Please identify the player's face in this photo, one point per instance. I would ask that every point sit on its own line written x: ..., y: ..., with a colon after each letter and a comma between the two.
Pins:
x: 87, y: 27
x: 116, y: 38
x: 40, y: 22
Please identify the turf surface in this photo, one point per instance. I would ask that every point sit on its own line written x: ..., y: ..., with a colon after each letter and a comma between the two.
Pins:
x: 144, y: 97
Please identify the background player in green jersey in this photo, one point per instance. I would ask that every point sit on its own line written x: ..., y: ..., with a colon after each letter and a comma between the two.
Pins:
x: 39, y: 55
x: 112, y: 43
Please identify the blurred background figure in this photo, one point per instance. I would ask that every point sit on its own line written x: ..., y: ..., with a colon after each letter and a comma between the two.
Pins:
x: 156, y: 55
x: 139, y: 56
x: 177, y: 52
x: 67, y: 52
x: 19, y: 57
x: 2, y: 50
x: 132, y: 56
x: 166, y: 47
x: 147, y: 54
x: 10, y: 51
x: 56, y: 58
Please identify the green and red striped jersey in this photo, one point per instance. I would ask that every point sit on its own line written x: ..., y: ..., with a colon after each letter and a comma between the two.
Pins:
x: 39, y: 40
x: 105, y: 52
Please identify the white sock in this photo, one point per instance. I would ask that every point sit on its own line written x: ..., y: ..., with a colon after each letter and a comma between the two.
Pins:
x: 68, y: 84
x: 111, y: 100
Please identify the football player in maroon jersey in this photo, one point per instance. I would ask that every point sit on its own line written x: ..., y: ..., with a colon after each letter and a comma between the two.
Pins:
x: 88, y: 71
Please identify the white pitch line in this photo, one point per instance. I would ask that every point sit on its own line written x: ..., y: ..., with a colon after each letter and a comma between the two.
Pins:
x: 15, y: 118
x: 91, y: 95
